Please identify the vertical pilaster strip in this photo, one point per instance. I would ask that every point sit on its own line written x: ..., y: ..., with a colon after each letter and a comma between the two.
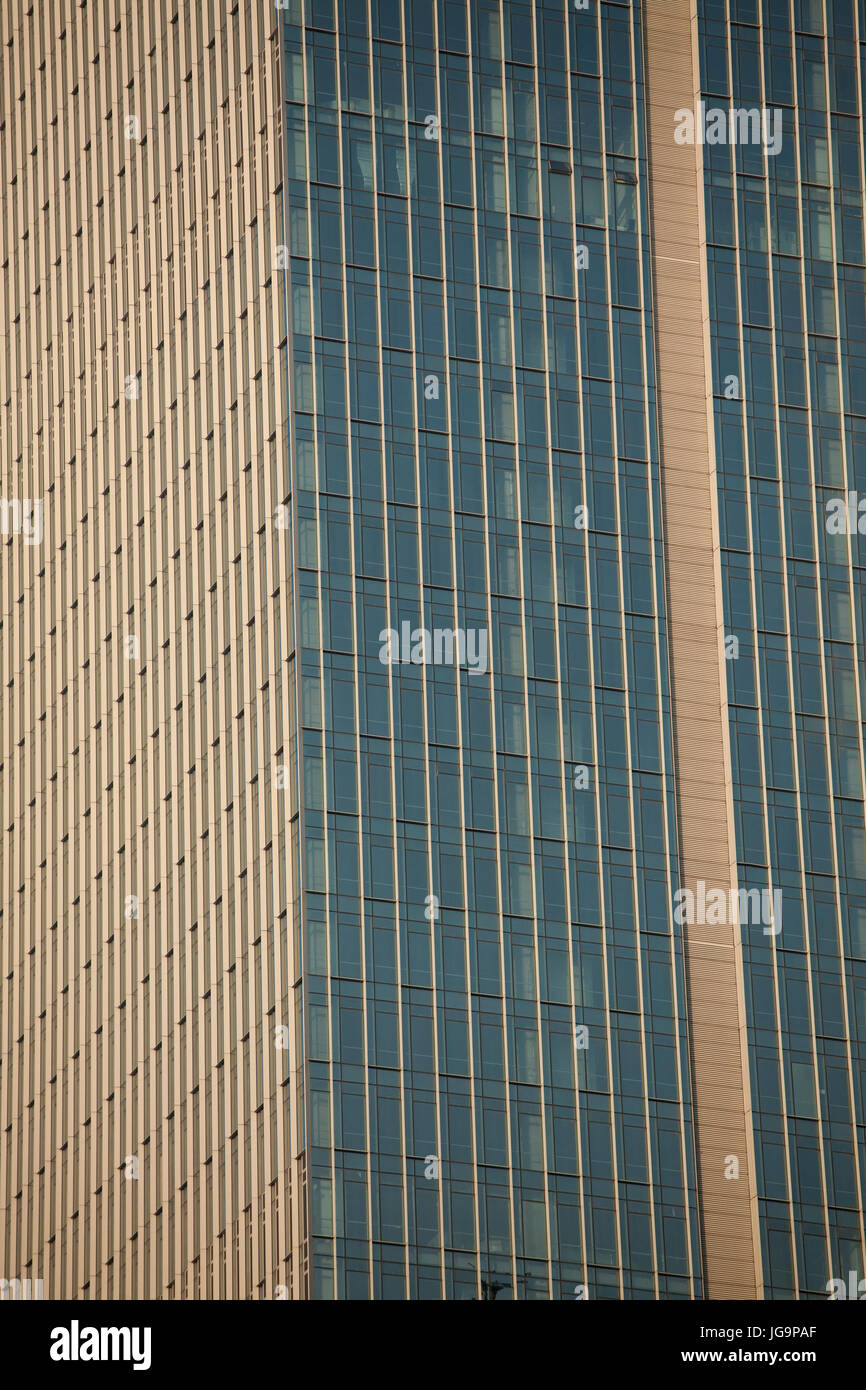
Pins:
x: 720, y: 1080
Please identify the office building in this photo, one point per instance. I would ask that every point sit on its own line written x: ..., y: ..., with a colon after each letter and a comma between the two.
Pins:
x: 432, y: 844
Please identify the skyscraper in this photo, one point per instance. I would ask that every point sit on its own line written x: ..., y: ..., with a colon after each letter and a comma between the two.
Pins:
x: 432, y: 846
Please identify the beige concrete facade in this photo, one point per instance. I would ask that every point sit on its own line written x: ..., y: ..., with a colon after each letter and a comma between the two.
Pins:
x: 146, y: 650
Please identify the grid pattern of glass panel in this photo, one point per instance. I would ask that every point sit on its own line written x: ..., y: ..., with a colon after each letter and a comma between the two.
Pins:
x: 494, y: 1095
x: 787, y: 285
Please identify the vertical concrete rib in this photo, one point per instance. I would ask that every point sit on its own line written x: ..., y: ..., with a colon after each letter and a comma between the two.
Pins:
x: 720, y: 1082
